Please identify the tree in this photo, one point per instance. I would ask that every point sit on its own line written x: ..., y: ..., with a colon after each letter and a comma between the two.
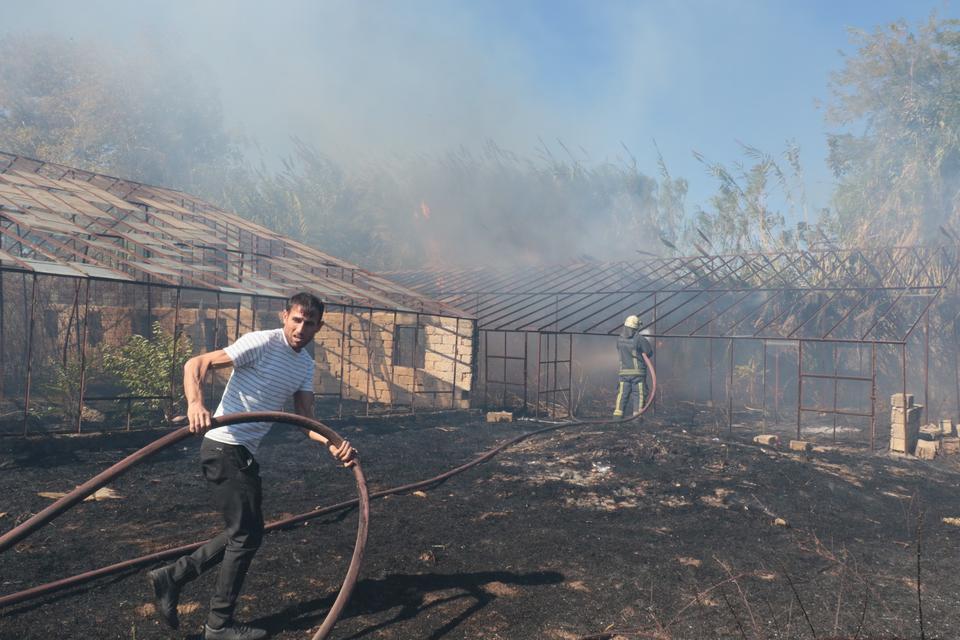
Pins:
x: 758, y: 206
x: 136, y: 114
x: 898, y: 162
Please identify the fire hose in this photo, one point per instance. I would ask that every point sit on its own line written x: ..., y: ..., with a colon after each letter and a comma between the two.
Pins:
x: 21, y: 531
x: 18, y: 533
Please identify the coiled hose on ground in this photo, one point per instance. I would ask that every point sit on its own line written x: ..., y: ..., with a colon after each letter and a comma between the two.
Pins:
x: 20, y: 532
x: 23, y: 530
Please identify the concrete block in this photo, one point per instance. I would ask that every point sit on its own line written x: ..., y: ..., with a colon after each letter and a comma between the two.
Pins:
x: 900, y: 445
x: 900, y: 400
x: 499, y: 416
x: 950, y: 446
x: 768, y: 440
x: 930, y: 432
x: 947, y: 427
x: 449, y: 323
x: 927, y: 449
x: 440, y: 366
x: 800, y: 445
x: 908, y: 432
x: 906, y: 416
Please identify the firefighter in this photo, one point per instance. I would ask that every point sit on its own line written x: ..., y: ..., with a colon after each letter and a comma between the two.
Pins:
x: 632, y: 345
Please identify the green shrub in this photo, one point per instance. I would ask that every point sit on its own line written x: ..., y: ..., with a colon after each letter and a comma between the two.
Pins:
x: 150, y: 367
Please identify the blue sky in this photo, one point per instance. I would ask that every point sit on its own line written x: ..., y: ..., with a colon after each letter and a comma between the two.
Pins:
x: 365, y: 79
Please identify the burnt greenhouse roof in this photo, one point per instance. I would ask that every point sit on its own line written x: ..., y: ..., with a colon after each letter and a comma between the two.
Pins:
x: 877, y: 295
x: 62, y: 221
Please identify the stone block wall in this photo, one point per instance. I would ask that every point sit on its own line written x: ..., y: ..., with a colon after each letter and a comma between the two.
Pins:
x: 356, y: 350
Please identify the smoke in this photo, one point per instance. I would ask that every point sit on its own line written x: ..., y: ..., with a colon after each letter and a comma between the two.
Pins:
x: 415, y: 83
x: 363, y: 80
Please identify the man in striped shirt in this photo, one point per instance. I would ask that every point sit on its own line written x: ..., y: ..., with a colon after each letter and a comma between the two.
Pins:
x: 268, y: 368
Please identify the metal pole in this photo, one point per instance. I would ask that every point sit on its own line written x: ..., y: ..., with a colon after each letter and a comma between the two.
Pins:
x: 74, y: 313
x: 873, y: 397
x: 456, y: 355
x: 83, y: 355
x: 416, y: 351
x: 570, y: 377
x: 474, y: 358
x: 3, y: 337
x: 776, y: 387
x: 860, y: 363
x: 730, y: 393
x: 956, y: 361
x: 369, y: 357
x: 393, y: 359
x: 149, y: 331
x: 525, y: 400
x: 903, y: 376
x: 216, y: 341
x: 486, y: 370
x: 173, y: 356
x: 503, y: 380
x: 343, y: 357
x: 710, y: 344
x: 539, y: 369
x: 349, y: 352
x: 836, y: 383
x: 763, y: 384
x: 926, y: 363
x: 799, y: 383
x: 26, y: 394
x: 216, y: 324
x: 556, y: 358
x: 236, y: 329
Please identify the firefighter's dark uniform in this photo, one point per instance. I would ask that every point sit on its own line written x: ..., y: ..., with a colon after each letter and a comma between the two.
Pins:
x: 631, y: 345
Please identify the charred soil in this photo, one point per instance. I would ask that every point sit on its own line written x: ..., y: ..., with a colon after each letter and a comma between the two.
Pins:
x: 645, y: 530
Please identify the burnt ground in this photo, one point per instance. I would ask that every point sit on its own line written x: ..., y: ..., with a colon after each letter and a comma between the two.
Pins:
x: 587, y: 529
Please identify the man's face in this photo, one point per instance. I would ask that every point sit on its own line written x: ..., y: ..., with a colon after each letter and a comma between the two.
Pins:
x: 300, y: 327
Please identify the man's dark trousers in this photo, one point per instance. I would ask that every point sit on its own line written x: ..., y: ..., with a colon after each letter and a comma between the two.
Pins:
x: 233, y: 478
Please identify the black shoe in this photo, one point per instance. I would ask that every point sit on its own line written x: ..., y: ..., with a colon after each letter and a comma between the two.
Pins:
x: 167, y: 594
x: 233, y: 632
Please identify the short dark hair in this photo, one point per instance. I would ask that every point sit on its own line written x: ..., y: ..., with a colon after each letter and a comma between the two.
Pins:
x: 306, y: 301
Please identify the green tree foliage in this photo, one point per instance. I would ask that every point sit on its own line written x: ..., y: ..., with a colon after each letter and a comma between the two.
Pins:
x: 759, y: 205
x: 137, y: 113
x: 898, y: 161
x: 62, y: 386
x: 146, y: 366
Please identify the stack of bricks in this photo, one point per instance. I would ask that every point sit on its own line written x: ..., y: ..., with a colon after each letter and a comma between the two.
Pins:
x: 929, y: 442
x: 946, y: 426
x: 904, y: 423
x: 951, y: 443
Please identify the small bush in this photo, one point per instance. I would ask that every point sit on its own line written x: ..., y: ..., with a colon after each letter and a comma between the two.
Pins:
x: 148, y: 367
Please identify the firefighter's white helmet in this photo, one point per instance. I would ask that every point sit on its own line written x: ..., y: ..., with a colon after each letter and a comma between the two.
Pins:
x: 632, y: 322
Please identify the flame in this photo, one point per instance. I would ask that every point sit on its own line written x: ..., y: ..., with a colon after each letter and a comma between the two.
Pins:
x: 424, y: 210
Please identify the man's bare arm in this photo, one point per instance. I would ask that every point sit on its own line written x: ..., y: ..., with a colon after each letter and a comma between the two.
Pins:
x: 303, y: 406
x: 194, y: 371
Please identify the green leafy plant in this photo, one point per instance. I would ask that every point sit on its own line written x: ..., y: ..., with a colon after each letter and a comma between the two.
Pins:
x: 147, y: 366
x: 62, y: 388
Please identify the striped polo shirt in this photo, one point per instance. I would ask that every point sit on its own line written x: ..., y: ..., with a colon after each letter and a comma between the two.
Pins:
x: 266, y: 374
